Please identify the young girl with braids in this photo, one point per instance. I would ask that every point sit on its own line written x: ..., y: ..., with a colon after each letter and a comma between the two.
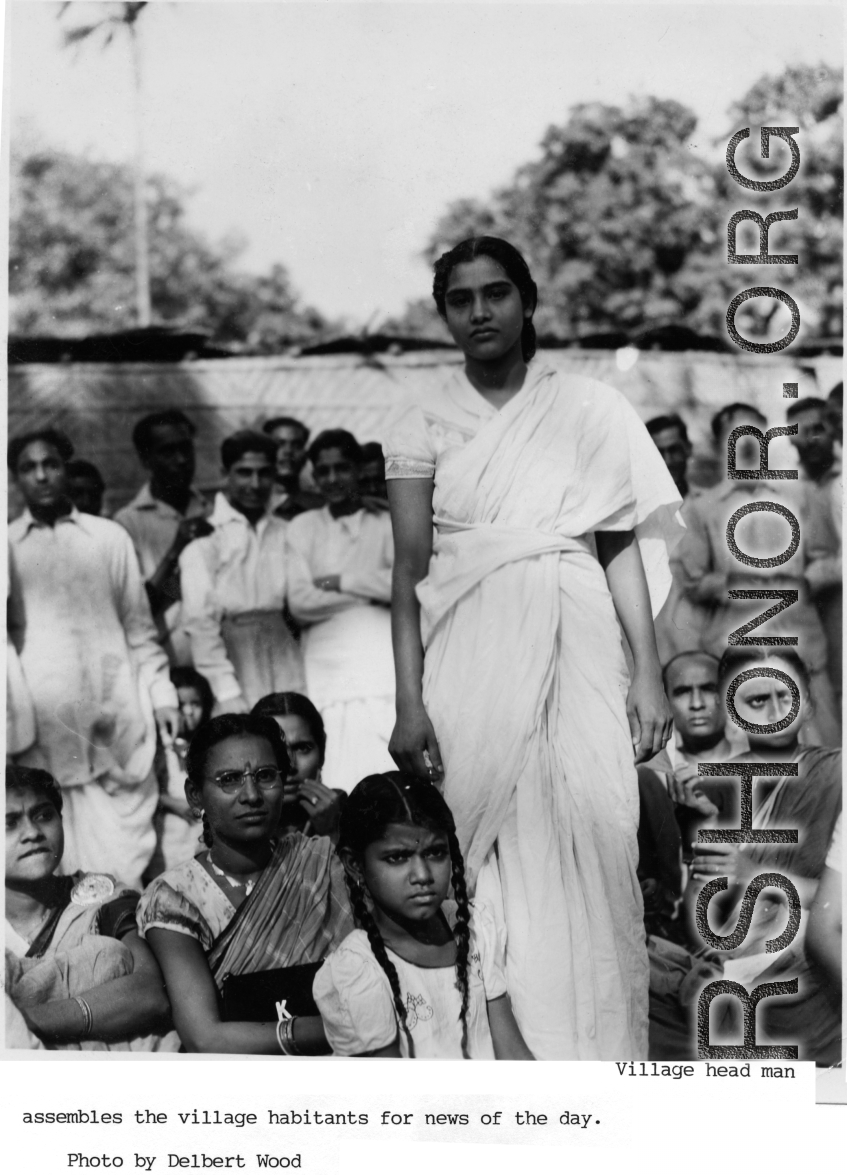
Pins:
x: 423, y: 976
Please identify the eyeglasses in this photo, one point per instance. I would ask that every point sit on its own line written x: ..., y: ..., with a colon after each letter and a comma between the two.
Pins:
x: 265, y: 778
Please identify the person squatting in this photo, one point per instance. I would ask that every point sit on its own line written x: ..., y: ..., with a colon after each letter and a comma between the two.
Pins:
x: 245, y: 816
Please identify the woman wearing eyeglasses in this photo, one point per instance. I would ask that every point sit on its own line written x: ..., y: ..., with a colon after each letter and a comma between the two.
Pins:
x: 248, y: 902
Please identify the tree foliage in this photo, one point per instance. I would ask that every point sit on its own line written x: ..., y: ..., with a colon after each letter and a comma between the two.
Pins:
x: 622, y: 217
x: 71, y: 260
x: 811, y: 98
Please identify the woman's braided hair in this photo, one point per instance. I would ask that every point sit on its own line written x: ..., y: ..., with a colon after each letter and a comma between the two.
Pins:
x: 510, y: 261
x: 398, y: 798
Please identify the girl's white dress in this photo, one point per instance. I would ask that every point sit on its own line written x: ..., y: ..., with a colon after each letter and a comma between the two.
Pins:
x: 354, y: 996
x: 525, y: 682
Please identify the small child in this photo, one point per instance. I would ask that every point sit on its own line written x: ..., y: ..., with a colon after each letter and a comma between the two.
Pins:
x: 181, y: 832
x: 423, y: 977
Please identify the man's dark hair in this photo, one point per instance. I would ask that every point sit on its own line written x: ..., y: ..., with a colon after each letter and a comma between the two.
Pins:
x: 80, y: 468
x: 796, y: 407
x: 142, y: 434
x: 246, y: 441
x: 837, y: 393
x: 286, y: 422
x: 336, y: 438
x: 372, y: 451
x: 727, y: 412
x: 49, y: 436
x: 660, y: 423
x: 36, y: 780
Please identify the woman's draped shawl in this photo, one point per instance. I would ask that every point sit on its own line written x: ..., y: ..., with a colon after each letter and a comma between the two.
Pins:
x: 515, y: 511
x: 69, y: 957
x: 298, y: 912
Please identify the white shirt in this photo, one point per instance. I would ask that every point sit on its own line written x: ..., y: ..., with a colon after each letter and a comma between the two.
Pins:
x: 358, y: 547
x: 239, y: 568
x: 81, y: 623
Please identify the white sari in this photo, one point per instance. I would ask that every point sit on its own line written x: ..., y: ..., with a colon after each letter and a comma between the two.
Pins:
x: 525, y: 682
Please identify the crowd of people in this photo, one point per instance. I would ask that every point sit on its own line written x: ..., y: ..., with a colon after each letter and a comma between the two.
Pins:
x: 240, y: 818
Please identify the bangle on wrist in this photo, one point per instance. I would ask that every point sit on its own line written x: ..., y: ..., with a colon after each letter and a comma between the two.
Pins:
x: 88, y: 1018
x: 285, y: 1038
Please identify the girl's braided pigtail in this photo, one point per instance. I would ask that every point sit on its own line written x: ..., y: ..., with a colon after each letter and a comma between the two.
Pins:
x: 461, y: 933
x: 365, y: 919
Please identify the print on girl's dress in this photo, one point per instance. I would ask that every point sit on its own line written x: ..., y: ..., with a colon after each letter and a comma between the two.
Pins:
x: 416, y: 1009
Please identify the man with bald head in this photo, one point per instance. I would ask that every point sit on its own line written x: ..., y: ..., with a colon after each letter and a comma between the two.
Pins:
x: 699, y: 715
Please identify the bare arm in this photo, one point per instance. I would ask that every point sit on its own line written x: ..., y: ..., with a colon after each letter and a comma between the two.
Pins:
x: 509, y: 1044
x: 410, y: 500
x: 693, y: 562
x: 646, y: 706
x: 130, y: 1006
x: 196, y: 1014
x: 823, y: 935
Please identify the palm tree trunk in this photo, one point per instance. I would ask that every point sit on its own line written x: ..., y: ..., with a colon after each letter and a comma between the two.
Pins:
x: 142, y: 256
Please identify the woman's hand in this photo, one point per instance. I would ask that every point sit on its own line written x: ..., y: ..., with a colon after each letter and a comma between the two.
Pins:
x: 711, y: 861
x: 413, y: 745
x: 650, y: 718
x: 321, y: 804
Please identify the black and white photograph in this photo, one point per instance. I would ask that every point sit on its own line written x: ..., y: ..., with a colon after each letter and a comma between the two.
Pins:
x: 424, y: 515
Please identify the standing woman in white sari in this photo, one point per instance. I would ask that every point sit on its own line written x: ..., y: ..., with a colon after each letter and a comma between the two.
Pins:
x: 339, y: 588
x: 552, y: 513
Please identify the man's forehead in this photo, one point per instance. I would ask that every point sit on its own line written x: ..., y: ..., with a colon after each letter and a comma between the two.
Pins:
x: 288, y: 432
x: 668, y: 436
x: 39, y: 451
x: 810, y: 415
x: 694, y: 670
x: 252, y: 461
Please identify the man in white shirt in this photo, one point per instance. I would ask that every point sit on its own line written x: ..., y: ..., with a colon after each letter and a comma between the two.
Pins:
x: 339, y: 588
x: 233, y: 585
x: 97, y: 676
x: 165, y: 515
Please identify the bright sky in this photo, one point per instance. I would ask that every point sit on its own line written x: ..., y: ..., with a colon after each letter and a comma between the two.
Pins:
x: 331, y: 136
